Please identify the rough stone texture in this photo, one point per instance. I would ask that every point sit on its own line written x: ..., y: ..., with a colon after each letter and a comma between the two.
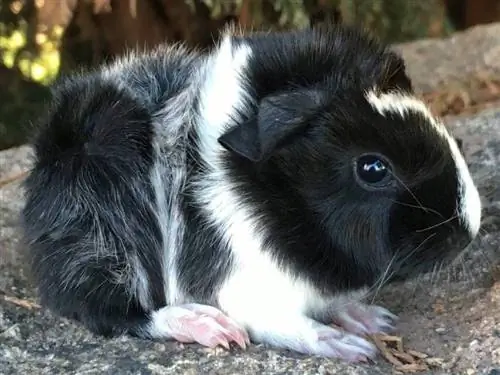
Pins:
x: 454, y: 315
x: 432, y: 62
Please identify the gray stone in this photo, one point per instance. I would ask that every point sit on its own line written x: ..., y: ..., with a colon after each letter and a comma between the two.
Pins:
x: 431, y: 62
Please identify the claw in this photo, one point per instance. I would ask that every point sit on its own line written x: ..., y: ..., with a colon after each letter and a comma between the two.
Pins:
x: 203, y: 324
x: 364, y: 319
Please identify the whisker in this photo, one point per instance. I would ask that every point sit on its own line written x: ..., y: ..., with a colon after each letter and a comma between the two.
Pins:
x: 413, y: 195
x: 433, y: 274
x: 426, y: 209
x: 416, y: 285
x: 418, y: 247
x: 439, y: 271
x: 486, y: 258
x: 419, y: 277
x: 485, y: 249
x: 383, y: 278
x: 469, y: 278
x: 448, y: 275
x: 386, y: 275
x: 437, y: 225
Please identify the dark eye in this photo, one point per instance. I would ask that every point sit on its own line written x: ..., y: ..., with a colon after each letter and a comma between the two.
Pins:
x: 373, y: 170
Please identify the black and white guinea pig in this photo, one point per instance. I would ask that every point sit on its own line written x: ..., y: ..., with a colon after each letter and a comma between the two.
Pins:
x: 254, y: 192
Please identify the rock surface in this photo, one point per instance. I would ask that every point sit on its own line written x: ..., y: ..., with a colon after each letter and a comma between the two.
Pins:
x: 432, y: 62
x: 454, y: 315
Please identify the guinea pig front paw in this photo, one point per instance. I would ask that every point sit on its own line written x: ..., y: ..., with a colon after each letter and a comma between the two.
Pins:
x: 362, y: 319
x: 307, y: 336
x: 335, y: 343
x: 198, y: 323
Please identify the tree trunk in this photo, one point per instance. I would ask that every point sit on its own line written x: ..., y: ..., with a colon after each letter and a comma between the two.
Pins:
x: 94, y: 35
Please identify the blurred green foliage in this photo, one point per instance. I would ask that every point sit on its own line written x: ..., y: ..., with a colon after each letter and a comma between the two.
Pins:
x: 32, y: 53
x: 25, y: 48
x: 36, y: 54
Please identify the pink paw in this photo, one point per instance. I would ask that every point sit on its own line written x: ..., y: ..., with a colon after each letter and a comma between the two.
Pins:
x: 203, y: 324
x: 363, y: 319
x: 335, y: 343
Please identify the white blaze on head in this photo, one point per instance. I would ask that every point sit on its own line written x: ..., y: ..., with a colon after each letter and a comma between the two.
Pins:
x: 469, y: 202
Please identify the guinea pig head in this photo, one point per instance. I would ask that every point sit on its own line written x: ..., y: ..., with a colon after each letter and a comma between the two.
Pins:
x: 354, y: 185
x: 377, y: 180
x: 433, y: 206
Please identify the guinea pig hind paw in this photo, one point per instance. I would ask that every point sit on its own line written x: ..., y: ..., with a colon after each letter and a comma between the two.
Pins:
x: 364, y: 319
x: 198, y: 323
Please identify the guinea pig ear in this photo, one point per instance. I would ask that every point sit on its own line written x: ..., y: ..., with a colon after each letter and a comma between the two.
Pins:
x: 395, y: 76
x: 278, y: 118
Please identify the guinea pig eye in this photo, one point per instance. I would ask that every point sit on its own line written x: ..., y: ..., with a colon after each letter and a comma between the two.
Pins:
x: 373, y: 170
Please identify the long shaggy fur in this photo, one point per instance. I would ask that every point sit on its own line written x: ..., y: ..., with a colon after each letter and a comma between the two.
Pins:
x: 227, y: 179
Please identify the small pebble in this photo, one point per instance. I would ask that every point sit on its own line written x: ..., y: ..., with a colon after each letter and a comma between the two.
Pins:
x: 440, y: 330
x: 160, y: 347
x: 470, y: 371
x: 473, y: 343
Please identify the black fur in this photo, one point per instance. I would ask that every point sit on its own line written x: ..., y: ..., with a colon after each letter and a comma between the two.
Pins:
x: 316, y: 216
x: 91, y: 207
x: 91, y: 149
x: 95, y: 147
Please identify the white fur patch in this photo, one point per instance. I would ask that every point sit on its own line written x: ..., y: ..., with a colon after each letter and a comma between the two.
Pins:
x: 139, y: 283
x: 222, y: 92
x: 469, y: 202
x: 168, y: 175
x: 401, y: 104
x: 170, y: 171
x: 257, y: 291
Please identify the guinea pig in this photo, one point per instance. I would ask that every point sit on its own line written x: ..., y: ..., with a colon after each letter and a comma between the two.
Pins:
x: 256, y: 192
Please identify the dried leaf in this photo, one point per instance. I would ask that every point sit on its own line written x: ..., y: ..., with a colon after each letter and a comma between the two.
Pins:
x: 389, y: 338
x: 416, y: 354
x: 384, y: 351
x: 404, y: 361
x: 413, y: 367
x: 403, y: 356
x: 395, y: 340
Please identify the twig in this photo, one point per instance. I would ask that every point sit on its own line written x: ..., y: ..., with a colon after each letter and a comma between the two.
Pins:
x: 10, y: 179
x: 22, y: 302
x: 133, y: 8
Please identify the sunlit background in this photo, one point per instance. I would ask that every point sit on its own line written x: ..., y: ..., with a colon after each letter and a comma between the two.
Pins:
x: 40, y: 39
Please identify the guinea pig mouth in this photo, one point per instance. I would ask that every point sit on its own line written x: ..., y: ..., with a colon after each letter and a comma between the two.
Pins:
x: 436, y: 253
